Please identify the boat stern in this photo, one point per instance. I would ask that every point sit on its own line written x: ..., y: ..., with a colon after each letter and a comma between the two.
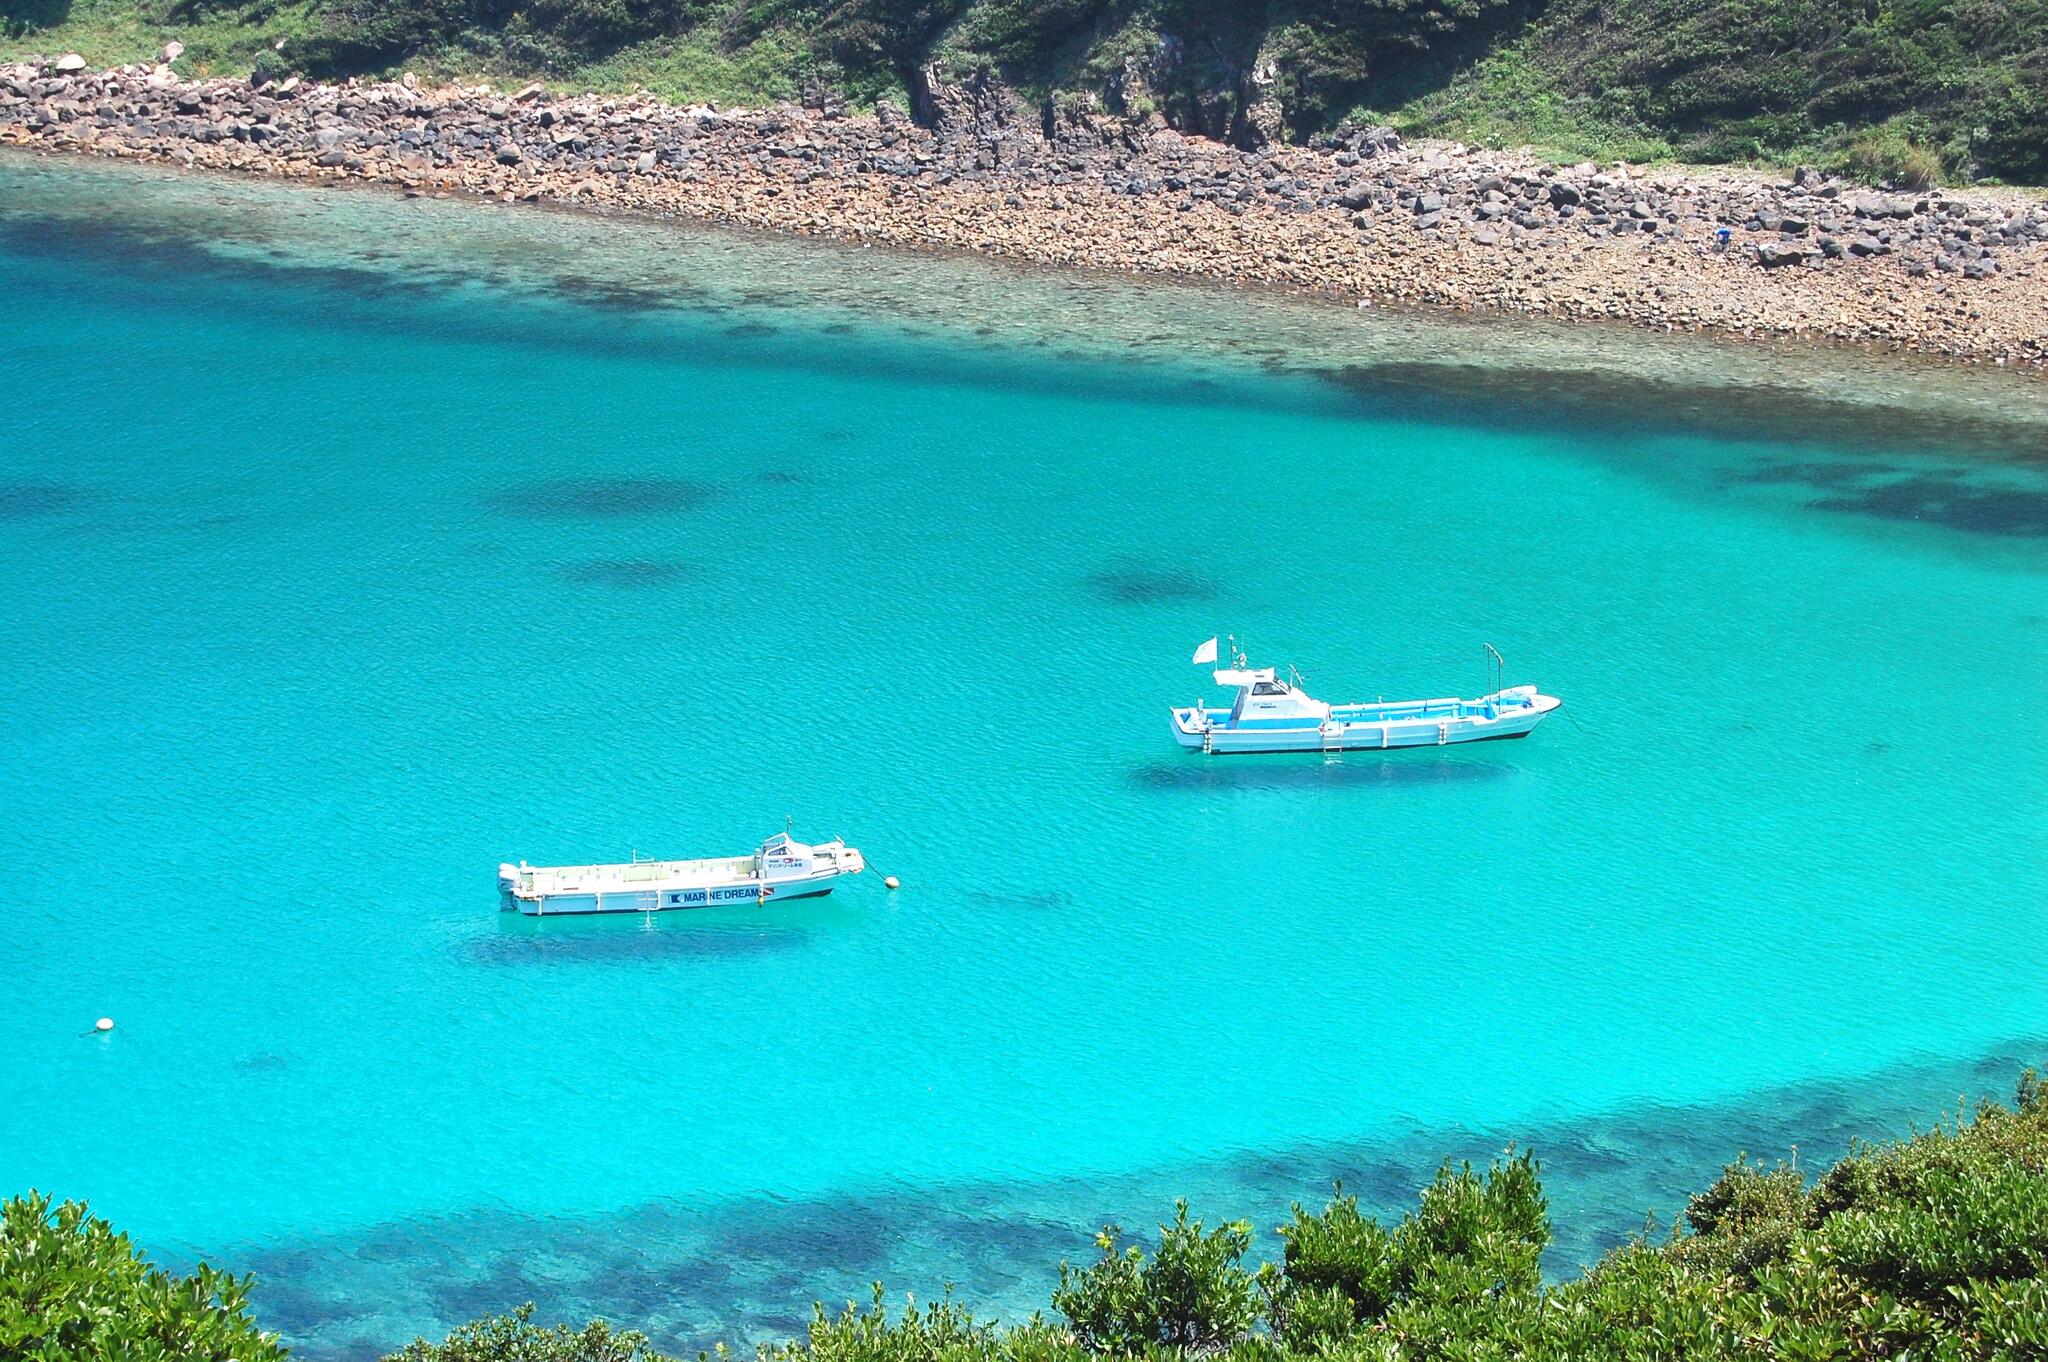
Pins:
x: 1190, y: 727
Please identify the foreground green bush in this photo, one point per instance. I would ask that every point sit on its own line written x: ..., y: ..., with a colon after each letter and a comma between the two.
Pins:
x: 1931, y: 1249
x: 516, y: 1338
x: 73, y: 1290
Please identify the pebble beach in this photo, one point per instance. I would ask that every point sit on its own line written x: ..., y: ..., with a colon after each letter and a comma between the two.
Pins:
x: 1361, y: 216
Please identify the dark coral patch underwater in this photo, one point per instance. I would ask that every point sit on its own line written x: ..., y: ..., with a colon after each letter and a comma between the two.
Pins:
x: 616, y: 296
x: 626, y: 573
x: 1948, y: 501
x: 604, y: 498
x: 32, y: 498
x: 1131, y: 582
x: 1628, y: 405
x: 1954, y: 499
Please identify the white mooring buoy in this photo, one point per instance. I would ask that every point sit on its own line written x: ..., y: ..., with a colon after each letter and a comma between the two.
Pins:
x: 891, y: 882
x: 103, y: 1024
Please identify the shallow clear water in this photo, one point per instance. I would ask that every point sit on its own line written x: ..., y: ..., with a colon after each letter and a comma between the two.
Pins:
x: 352, y: 545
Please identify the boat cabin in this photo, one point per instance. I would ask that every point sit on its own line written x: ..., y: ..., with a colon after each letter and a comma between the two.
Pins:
x: 1264, y: 699
x: 781, y: 857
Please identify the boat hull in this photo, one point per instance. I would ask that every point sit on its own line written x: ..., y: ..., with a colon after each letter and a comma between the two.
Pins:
x: 665, y: 900
x: 782, y: 869
x: 1371, y: 728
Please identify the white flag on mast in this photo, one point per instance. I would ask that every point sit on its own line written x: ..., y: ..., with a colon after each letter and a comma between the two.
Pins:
x: 1206, y: 653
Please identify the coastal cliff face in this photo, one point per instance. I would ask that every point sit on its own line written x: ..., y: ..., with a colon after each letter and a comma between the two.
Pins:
x: 1367, y: 216
x: 1882, y: 89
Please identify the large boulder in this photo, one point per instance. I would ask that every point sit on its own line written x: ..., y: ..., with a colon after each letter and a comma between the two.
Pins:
x: 1776, y: 254
x: 1259, y: 125
x: 1068, y: 122
x: 1376, y: 141
x: 977, y: 105
x: 1882, y: 206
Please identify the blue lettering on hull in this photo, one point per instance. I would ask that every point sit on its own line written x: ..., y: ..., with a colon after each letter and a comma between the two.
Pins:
x: 699, y: 898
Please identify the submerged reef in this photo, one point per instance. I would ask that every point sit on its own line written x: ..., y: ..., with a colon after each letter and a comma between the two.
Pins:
x: 603, y: 498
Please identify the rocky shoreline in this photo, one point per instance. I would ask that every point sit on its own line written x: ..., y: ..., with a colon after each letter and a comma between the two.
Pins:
x: 1960, y: 273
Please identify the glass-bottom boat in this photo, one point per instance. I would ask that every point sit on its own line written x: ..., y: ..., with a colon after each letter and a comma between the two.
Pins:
x: 782, y: 869
x: 1274, y: 715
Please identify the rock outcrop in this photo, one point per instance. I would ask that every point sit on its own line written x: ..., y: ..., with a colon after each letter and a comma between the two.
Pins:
x: 1358, y: 214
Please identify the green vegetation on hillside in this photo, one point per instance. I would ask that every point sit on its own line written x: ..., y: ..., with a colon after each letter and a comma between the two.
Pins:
x: 1867, y: 86
x: 1888, y: 88
x: 1930, y: 1248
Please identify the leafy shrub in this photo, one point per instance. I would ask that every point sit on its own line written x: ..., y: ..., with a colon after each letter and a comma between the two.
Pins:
x: 1191, y: 1294
x: 1345, y: 1252
x: 1889, y: 154
x: 516, y: 1338
x: 352, y: 37
x: 1487, y: 1231
x: 941, y: 1330
x: 1745, y: 1220
x: 74, y: 1290
x: 1024, y: 33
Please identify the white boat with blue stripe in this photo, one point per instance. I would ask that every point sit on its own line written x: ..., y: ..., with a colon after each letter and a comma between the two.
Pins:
x: 783, y: 869
x: 1269, y: 714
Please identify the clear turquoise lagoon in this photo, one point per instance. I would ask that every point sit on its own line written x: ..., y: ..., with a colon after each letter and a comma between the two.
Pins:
x: 350, y: 545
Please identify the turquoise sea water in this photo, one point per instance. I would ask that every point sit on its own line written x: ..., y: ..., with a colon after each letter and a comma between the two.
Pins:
x: 352, y: 545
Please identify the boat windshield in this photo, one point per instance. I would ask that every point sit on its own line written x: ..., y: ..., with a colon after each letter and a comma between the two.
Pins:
x: 1269, y: 688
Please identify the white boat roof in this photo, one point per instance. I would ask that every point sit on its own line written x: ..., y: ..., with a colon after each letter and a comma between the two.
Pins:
x: 1235, y: 676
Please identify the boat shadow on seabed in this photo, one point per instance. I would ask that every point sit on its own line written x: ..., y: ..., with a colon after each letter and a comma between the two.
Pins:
x: 520, y: 941
x: 1355, y: 769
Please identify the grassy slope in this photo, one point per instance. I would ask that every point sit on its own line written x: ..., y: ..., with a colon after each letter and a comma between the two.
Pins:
x: 1903, y: 89
x: 1864, y: 84
x: 691, y: 65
